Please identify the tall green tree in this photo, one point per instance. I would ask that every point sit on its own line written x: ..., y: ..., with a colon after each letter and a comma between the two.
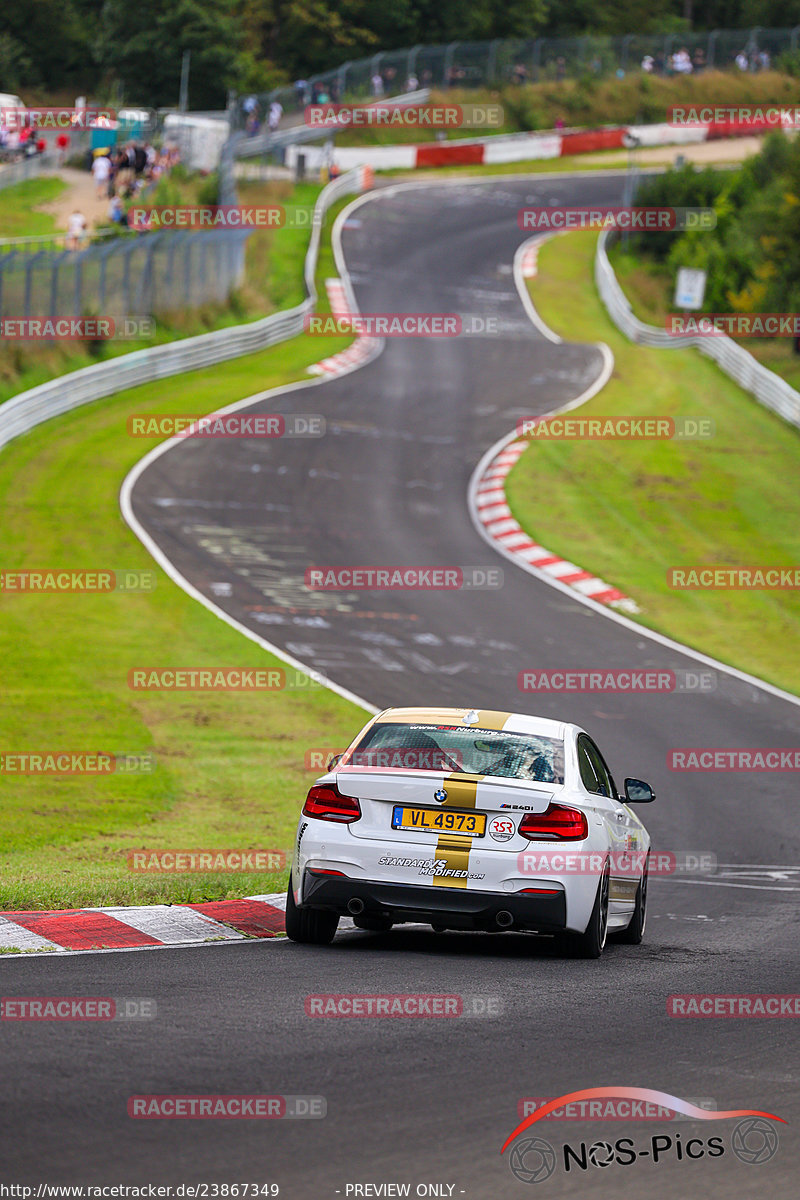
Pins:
x: 142, y: 45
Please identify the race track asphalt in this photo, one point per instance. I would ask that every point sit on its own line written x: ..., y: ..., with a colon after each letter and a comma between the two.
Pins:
x: 431, y: 1101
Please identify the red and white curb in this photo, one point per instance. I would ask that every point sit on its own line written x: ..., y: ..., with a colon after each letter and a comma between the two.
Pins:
x: 501, y: 527
x: 529, y: 260
x: 139, y: 927
x: 361, y: 349
x: 487, y: 495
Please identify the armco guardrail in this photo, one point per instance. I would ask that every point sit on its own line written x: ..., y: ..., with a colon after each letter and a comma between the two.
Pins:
x: 28, y: 409
x: 767, y: 387
x: 22, y: 169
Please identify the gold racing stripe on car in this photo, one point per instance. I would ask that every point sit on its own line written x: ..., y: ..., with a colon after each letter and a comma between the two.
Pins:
x: 491, y: 719
x: 623, y: 889
x: 461, y: 793
x: 487, y: 718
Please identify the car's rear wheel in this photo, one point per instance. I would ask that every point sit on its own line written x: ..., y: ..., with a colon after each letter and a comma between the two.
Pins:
x: 591, y: 943
x: 316, y: 926
x: 633, y: 935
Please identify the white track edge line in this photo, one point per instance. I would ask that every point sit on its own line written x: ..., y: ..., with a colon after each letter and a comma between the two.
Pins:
x: 126, y: 505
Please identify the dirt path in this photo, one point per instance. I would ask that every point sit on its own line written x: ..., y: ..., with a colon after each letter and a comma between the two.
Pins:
x: 80, y: 193
x: 726, y: 150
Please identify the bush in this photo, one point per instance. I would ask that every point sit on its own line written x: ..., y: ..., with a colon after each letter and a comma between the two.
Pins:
x: 208, y: 192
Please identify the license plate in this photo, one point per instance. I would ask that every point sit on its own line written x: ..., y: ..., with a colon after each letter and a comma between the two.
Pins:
x: 439, y: 820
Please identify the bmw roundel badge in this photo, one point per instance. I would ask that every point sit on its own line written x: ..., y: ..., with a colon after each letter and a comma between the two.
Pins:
x: 440, y: 796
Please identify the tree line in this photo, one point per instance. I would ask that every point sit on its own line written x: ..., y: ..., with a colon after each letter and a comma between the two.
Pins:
x: 103, y: 47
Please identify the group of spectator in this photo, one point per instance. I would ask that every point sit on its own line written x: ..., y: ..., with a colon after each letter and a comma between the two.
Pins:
x: 120, y: 172
x: 753, y: 60
x: 20, y: 143
x: 679, y: 63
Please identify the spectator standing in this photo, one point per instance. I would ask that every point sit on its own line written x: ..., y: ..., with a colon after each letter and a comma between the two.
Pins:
x: 300, y: 92
x: 377, y: 85
x: 101, y: 170
x: 275, y: 114
x: 76, y: 230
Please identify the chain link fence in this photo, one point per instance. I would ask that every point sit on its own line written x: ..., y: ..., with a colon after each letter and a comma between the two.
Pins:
x: 515, y: 61
x: 119, y: 275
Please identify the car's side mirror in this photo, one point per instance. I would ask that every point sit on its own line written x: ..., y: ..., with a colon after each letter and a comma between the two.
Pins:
x: 638, y: 792
x: 332, y: 761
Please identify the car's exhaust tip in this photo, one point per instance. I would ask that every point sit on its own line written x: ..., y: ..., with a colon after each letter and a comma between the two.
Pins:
x: 504, y: 919
x: 355, y: 906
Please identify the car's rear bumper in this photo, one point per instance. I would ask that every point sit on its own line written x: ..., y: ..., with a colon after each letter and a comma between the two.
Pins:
x: 453, y: 908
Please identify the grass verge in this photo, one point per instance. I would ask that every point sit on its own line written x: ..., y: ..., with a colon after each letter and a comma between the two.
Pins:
x: 629, y: 510
x: 229, y: 766
x: 649, y: 287
x: 19, y: 215
x: 590, y: 100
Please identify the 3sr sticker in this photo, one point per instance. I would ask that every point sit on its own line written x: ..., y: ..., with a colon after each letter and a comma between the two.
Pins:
x: 501, y: 828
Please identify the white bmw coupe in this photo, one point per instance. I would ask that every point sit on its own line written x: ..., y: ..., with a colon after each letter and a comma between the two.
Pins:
x: 471, y: 819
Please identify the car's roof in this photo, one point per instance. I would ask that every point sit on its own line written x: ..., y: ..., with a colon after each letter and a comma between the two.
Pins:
x: 477, y: 718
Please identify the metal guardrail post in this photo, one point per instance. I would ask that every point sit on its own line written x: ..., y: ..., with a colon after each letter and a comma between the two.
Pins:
x: 29, y: 281
x: 712, y: 47
x: 491, y: 61
x: 447, y: 65
x: 536, y: 58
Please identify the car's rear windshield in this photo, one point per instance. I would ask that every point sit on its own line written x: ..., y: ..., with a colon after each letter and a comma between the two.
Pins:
x: 439, y: 748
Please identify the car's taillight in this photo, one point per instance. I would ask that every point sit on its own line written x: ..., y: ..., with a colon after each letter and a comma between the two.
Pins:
x: 559, y: 822
x: 326, y: 803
